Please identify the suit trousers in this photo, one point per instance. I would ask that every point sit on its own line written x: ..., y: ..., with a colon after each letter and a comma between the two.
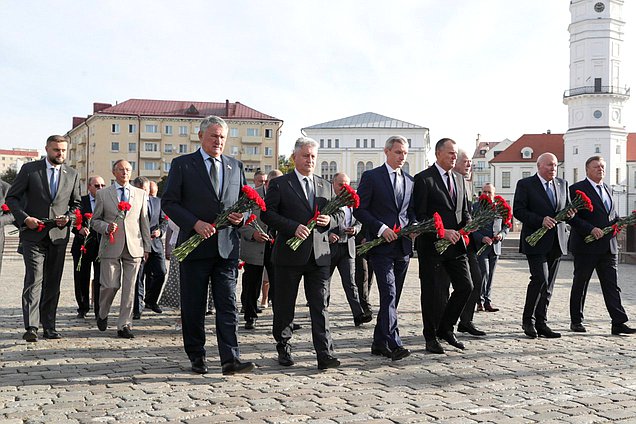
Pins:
x: 475, y: 276
x: 543, y: 272
x: 44, y: 265
x: 340, y: 259
x: 195, y: 277
x: 487, y: 264
x: 118, y: 273
x: 457, y: 268
x: 605, y: 266
x: 316, y: 281
x: 251, y: 287
x: 82, y: 279
x: 390, y: 272
x: 150, y: 280
x: 364, y: 281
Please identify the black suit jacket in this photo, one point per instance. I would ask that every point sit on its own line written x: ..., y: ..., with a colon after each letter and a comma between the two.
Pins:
x: 430, y: 195
x: 531, y: 205
x: 5, y: 217
x: 189, y: 196
x: 78, y: 239
x: 158, y: 221
x: 30, y: 196
x: 584, y: 221
x: 287, y: 207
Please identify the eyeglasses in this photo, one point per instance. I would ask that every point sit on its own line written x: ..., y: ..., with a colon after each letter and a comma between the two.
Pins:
x: 99, y: 185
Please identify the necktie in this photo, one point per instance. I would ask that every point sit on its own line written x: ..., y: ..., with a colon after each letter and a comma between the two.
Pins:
x: 451, y: 188
x: 53, y: 184
x: 214, y: 175
x: 124, y: 195
x: 310, y: 192
x: 600, y: 193
x: 149, y: 208
x: 398, y: 188
x: 548, y: 190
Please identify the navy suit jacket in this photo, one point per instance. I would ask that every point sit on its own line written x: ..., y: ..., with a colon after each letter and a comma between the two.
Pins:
x: 378, y: 207
x: 584, y: 221
x: 531, y: 205
x: 158, y: 221
x: 189, y: 197
x: 78, y: 239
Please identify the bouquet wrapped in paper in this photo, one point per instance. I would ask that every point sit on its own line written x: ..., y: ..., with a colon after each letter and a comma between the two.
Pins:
x: 580, y: 201
x: 432, y: 225
x: 248, y: 200
x: 346, y: 197
x: 505, y: 213
x: 616, y: 228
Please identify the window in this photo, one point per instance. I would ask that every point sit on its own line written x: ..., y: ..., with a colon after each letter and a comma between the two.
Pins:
x: 168, y: 129
x: 196, y: 130
x: 269, y: 151
x: 618, y: 149
x: 322, y: 143
x: 252, y: 132
x: 575, y: 174
x: 183, y: 148
x: 235, y: 150
x: 151, y: 166
x: 151, y: 128
x: 133, y: 165
x: 324, y: 169
x: 358, y: 143
x: 268, y: 168
x: 151, y: 147
x: 359, y: 169
x: 252, y: 150
x: 167, y: 148
x: 234, y: 132
x: 526, y: 153
x: 575, y: 150
x: 525, y: 174
x: 114, y: 146
x: 365, y: 144
x: 618, y: 175
x: 597, y: 148
x: 132, y: 147
x: 369, y: 166
x: 333, y: 169
x: 408, y: 140
x: 132, y: 128
x: 114, y: 128
x: 166, y: 167
x: 329, y: 143
x: 183, y: 130
x: 337, y: 141
x: 505, y: 179
x: 268, y: 133
x: 372, y: 142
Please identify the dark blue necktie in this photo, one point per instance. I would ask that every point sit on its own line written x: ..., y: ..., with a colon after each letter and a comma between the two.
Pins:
x: 124, y: 197
x: 53, y: 184
x: 550, y: 194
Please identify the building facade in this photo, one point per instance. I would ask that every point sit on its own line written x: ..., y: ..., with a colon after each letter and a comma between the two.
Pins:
x: 356, y: 144
x: 482, y: 171
x: 150, y: 133
x: 15, y: 158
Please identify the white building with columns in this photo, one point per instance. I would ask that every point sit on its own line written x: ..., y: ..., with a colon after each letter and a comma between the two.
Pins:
x: 597, y: 93
x: 356, y: 144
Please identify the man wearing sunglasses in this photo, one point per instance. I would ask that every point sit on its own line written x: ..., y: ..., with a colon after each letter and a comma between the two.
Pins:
x: 82, y: 276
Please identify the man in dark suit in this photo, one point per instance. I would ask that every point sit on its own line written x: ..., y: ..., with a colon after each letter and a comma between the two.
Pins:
x: 537, y: 200
x: 292, y: 201
x: 385, y: 204
x: 152, y: 271
x: 343, y: 251
x: 363, y: 274
x: 82, y: 277
x: 6, y: 217
x: 491, y: 234
x: 199, y: 187
x: 438, y: 190
x: 600, y: 255
x: 44, y: 189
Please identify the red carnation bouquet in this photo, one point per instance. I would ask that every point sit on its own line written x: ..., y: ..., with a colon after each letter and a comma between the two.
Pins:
x: 252, y: 222
x: 87, y: 219
x: 122, y: 207
x: 41, y: 226
x: 5, y: 208
x: 248, y: 200
x: 346, y: 197
x: 616, y: 228
x: 504, y: 210
x: 580, y: 201
x: 432, y: 225
x: 488, y: 211
x: 78, y: 219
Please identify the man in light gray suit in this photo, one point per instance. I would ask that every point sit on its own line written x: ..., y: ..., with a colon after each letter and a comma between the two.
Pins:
x: 44, y: 190
x: 6, y: 217
x: 125, y: 241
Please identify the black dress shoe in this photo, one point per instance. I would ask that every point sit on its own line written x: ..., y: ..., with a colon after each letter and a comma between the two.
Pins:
x: 156, y: 309
x: 51, y: 334
x: 31, y: 334
x: 237, y: 367
x: 529, y: 330
x: 125, y: 333
x: 284, y: 355
x: 250, y: 324
x: 328, y: 362
x: 578, y: 328
x: 545, y: 331
x: 622, y: 329
x: 102, y: 324
x: 450, y: 338
x: 399, y: 352
x: 470, y: 329
x: 433, y: 346
x: 136, y: 315
x: 361, y: 319
x: 198, y: 365
x: 381, y: 350
x: 296, y: 327
x: 81, y: 315
x: 259, y: 310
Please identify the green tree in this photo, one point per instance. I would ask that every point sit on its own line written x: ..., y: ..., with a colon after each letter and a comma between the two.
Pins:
x: 285, y: 164
x: 9, y: 175
x: 161, y: 185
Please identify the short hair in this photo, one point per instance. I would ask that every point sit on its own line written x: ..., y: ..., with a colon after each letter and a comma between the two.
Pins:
x: 274, y: 173
x: 257, y: 173
x: 140, y: 181
x: 304, y: 141
x: 461, y: 153
x: 593, y: 158
x: 212, y: 120
x: 338, y: 174
x: 118, y: 161
x: 57, y: 139
x: 440, y: 143
x: 395, y: 139
x: 489, y: 184
x: 93, y: 178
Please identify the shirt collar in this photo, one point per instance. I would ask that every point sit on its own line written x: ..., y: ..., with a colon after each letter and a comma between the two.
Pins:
x: 50, y: 166
x: 441, y: 170
x: 543, y: 180
x: 206, y: 156
x: 127, y: 186
x: 301, y: 177
x: 593, y: 183
x: 388, y: 167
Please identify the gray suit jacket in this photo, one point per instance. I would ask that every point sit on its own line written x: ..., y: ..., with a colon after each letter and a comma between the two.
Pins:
x: 350, y: 240
x: 253, y: 252
x: 158, y: 221
x: 30, y: 196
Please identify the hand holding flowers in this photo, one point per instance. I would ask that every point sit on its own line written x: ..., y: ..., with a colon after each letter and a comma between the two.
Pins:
x: 504, y: 211
x: 616, y: 228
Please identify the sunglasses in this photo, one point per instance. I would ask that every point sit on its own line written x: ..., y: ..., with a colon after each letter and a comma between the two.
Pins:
x: 99, y: 185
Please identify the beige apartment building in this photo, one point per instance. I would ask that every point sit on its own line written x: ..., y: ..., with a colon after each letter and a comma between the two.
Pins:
x: 150, y: 133
x: 15, y: 158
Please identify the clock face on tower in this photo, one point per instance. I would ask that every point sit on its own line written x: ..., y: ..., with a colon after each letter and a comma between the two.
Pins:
x: 599, y: 7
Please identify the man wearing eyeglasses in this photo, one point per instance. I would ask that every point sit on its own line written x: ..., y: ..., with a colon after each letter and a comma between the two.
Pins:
x: 82, y: 276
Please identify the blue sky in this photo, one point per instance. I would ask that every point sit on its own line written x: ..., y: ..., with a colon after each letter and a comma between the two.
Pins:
x: 458, y: 67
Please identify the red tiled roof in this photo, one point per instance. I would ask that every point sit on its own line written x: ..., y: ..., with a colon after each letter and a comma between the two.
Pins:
x: 26, y: 153
x: 484, y: 145
x: 539, y: 143
x: 147, y: 107
x: 631, y: 147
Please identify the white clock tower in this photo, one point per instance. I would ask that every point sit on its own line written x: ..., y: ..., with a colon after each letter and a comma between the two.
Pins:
x: 597, y: 93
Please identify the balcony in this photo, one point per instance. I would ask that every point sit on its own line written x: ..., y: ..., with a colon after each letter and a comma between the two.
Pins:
x: 150, y: 173
x: 250, y: 158
x: 150, y: 136
x: 251, y: 140
x: 150, y: 154
x: 194, y: 137
x: 596, y: 89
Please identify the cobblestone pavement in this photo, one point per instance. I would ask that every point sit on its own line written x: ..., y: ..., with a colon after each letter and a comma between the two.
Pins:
x: 89, y: 376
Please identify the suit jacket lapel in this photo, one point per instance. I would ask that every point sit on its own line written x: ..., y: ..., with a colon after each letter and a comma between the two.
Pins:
x: 386, y: 178
x: 227, y: 170
x: 64, y: 180
x: 539, y: 186
x: 296, y: 188
x: 199, y: 165
x: 441, y: 183
x: 44, y: 178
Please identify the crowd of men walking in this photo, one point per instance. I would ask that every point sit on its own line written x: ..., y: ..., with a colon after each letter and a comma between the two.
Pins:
x: 119, y: 232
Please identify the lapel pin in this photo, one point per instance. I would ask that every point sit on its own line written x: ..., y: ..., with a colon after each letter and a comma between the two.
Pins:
x: 229, y: 166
